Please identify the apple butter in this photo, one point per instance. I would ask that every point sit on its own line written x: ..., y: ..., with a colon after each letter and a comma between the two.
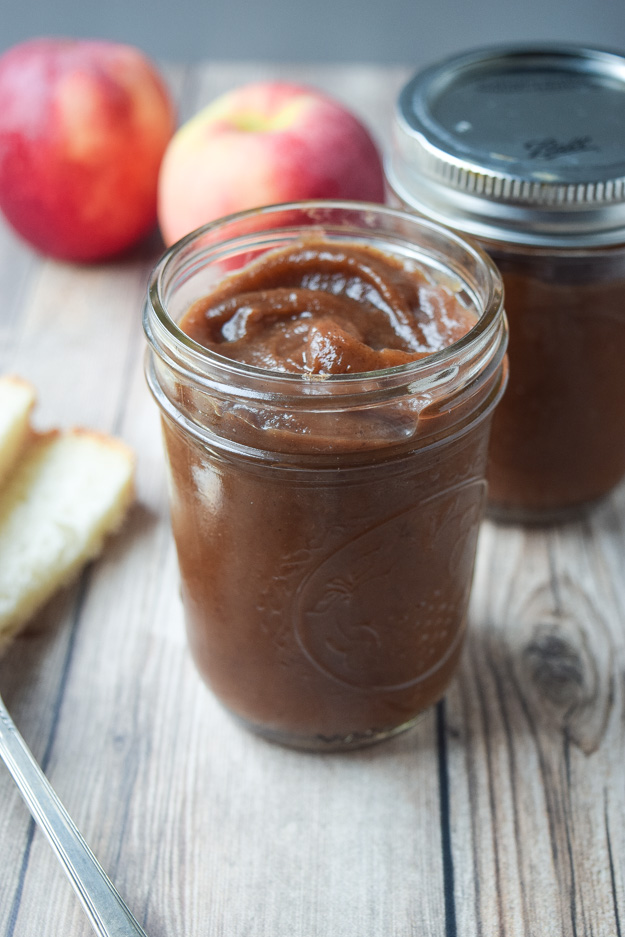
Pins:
x: 516, y: 147
x: 326, y: 408
x: 317, y: 307
x: 558, y: 442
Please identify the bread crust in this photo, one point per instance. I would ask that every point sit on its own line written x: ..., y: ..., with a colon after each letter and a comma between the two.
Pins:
x: 17, y: 401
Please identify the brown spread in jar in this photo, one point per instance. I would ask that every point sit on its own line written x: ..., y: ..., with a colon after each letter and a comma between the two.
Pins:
x: 322, y: 308
x: 326, y: 579
x: 516, y: 148
x: 557, y: 441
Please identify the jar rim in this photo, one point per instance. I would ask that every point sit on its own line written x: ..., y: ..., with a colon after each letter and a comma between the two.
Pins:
x: 165, y: 335
x: 516, y: 143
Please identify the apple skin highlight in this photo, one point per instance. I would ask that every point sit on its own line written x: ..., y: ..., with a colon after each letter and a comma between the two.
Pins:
x: 262, y: 144
x: 83, y: 128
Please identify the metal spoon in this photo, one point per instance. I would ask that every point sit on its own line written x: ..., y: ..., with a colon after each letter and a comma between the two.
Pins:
x: 107, y: 911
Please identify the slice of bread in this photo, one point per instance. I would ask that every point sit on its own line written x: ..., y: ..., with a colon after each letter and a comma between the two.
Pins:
x: 65, y: 494
x: 17, y: 399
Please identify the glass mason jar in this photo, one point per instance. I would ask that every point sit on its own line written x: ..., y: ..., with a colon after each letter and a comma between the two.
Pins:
x: 521, y: 149
x: 325, y: 526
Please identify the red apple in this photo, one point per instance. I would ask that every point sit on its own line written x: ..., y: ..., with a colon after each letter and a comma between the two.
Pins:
x: 261, y: 144
x: 83, y: 128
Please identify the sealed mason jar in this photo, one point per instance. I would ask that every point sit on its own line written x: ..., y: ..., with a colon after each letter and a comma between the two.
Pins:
x: 522, y: 148
x: 326, y: 524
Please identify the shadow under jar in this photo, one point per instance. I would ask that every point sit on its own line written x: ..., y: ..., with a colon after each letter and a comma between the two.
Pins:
x: 522, y: 149
x: 326, y: 523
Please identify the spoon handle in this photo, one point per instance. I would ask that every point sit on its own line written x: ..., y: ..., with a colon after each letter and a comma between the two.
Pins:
x: 109, y: 915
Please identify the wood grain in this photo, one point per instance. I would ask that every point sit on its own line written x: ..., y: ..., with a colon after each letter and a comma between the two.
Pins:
x: 501, y: 814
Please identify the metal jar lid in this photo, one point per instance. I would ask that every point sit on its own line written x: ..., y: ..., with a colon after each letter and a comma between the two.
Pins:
x: 521, y: 143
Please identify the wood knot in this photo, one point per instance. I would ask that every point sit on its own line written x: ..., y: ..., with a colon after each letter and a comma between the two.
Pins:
x: 555, y: 666
x: 566, y: 671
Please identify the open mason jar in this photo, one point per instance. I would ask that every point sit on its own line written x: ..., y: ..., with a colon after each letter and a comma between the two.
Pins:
x: 326, y: 525
x: 521, y: 148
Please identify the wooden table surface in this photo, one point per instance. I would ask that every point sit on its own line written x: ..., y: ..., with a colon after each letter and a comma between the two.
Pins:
x: 502, y: 813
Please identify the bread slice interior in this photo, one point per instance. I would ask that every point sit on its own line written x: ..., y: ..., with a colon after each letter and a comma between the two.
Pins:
x: 65, y: 492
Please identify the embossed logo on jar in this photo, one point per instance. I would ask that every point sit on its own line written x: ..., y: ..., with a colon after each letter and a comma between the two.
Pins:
x: 387, y: 609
